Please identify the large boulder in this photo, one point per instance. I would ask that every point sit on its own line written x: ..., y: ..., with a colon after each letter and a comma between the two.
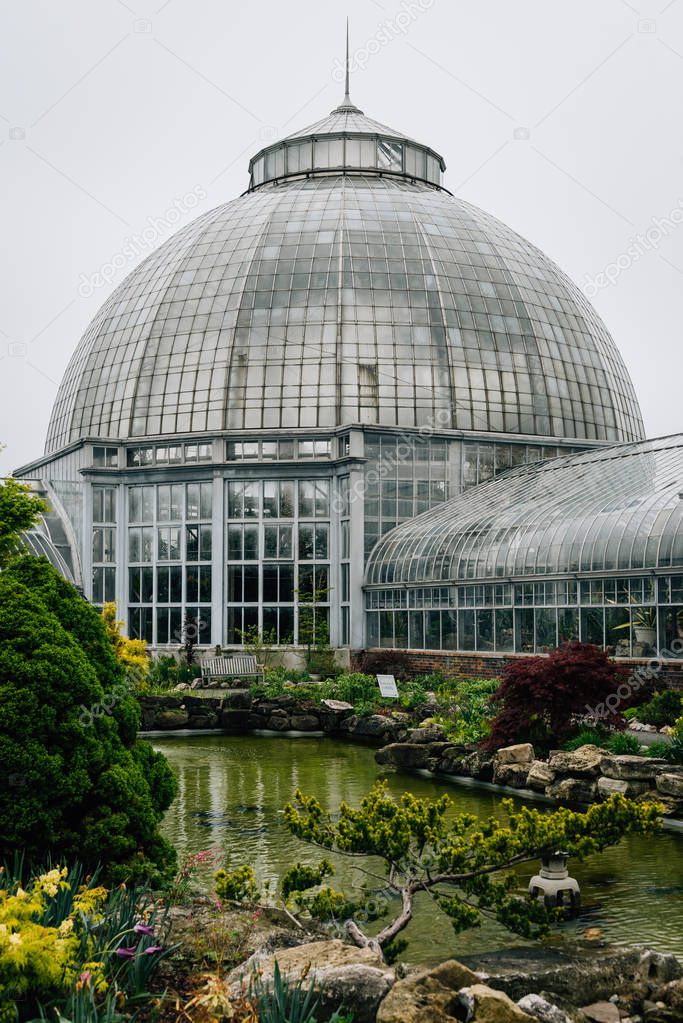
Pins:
x: 337, y: 706
x: 543, y: 1010
x: 513, y: 775
x: 540, y: 776
x: 601, y: 1012
x: 237, y: 699
x: 585, y: 762
x: 356, y: 979
x: 483, y: 1004
x: 208, y: 720
x: 608, y: 786
x: 403, y: 755
x: 431, y: 995
x: 573, y: 790
x: 451, y: 760
x: 522, y: 753
x: 427, y: 733
x: 478, y: 765
x: 670, y: 784
x: 171, y: 718
x: 630, y: 768
x: 574, y: 974
x: 671, y: 994
x: 304, y: 723
x: 376, y: 726
x: 669, y: 805
x: 234, y: 720
x: 278, y: 721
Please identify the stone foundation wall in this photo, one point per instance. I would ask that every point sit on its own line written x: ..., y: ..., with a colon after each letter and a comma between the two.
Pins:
x: 408, y: 663
x: 236, y: 713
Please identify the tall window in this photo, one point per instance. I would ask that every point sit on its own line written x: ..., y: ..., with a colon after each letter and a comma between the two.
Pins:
x: 103, y: 544
x: 278, y: 551
x: 169, y: 562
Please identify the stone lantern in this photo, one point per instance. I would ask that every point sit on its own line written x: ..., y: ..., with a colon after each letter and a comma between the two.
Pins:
x: 553, y: 883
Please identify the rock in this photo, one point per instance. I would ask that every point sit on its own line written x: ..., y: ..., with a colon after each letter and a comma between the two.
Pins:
x: 431, y: 995
x: 601, y: 1012
x: 575, y: 974
x: 585, y: 762
x: 451, y: 760
x: 608, y: 786
x: 661, y: 1014
x: 234, y: 720
x: 169, y: 719
x: 355, y: 978
x: 659, y: 968
x: 304, y: 723
x: 478, y: 765
x: 197, y: 683
x: 237, y: 699
x: 431, y: 733
x: 522, y: 753
x: 670, y: 784
x: 671, y: 994
x: 403, y: 755
x: 278, y: 721
x: 181, y: 687
x: 376, y: 726
x: 671, y: 807
x: 630, y: 768
x: 208, y: 720
x: 337, y: 706
x: 540, y: 776
x: 485, y: 1005
x: 514, y: 775
x: 543, y: 1010
x: 573, y: 790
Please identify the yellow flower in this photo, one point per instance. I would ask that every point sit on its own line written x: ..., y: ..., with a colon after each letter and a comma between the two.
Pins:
x: 15, y: 939
x: 65, y: 928
x: 21, y: 894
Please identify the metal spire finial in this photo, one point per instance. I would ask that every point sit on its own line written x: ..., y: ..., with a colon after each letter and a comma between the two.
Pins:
x: 347, y: 95
x: 346, y: 106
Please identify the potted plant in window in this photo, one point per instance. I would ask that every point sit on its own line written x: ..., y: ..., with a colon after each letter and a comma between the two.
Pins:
x: 644, y: 625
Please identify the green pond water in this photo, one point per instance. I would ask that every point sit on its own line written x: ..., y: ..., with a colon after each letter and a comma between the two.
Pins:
x: 232, y: 790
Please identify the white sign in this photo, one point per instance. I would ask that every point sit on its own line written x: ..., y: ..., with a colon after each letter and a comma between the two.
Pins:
x: 387, y: 686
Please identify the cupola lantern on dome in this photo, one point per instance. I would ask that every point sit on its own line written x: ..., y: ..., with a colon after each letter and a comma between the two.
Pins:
x: 346, y: 141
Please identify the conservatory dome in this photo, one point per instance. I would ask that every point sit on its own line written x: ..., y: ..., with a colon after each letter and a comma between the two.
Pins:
x: 346, y: 286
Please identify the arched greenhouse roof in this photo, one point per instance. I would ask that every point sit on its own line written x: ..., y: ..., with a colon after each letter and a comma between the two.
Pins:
x: 614, y: 509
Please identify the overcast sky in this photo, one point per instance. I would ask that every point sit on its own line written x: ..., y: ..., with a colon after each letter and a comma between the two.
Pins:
x: 562, y: 118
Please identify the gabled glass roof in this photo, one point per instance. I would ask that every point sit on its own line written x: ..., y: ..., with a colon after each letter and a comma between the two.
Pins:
x: 615, y: 509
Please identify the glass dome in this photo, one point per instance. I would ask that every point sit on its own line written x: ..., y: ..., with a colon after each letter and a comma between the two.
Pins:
x: 612, y: 510
x: 355, y: 290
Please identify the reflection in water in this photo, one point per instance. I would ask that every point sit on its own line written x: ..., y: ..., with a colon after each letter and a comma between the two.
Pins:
x: 230, y: 799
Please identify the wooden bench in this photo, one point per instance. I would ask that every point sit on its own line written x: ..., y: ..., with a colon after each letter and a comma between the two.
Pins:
x: 239, y: 666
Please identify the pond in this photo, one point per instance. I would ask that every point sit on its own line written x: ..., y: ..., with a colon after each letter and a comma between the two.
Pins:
x: 232, y: 790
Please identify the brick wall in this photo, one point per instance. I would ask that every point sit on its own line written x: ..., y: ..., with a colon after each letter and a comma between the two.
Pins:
x: 407, y: 663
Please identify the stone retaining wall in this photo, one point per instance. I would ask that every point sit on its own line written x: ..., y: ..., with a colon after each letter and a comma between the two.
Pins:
x: 587, y: 775
x: 236, y: 713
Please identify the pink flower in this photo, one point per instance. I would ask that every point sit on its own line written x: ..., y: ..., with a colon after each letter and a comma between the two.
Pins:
x: 85, y: 977
x: 143, y: 929
x: 126, y: 953
x: 153, y: 949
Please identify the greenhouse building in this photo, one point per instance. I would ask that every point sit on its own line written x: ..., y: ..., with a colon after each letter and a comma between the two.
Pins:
x: 351, y: 390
